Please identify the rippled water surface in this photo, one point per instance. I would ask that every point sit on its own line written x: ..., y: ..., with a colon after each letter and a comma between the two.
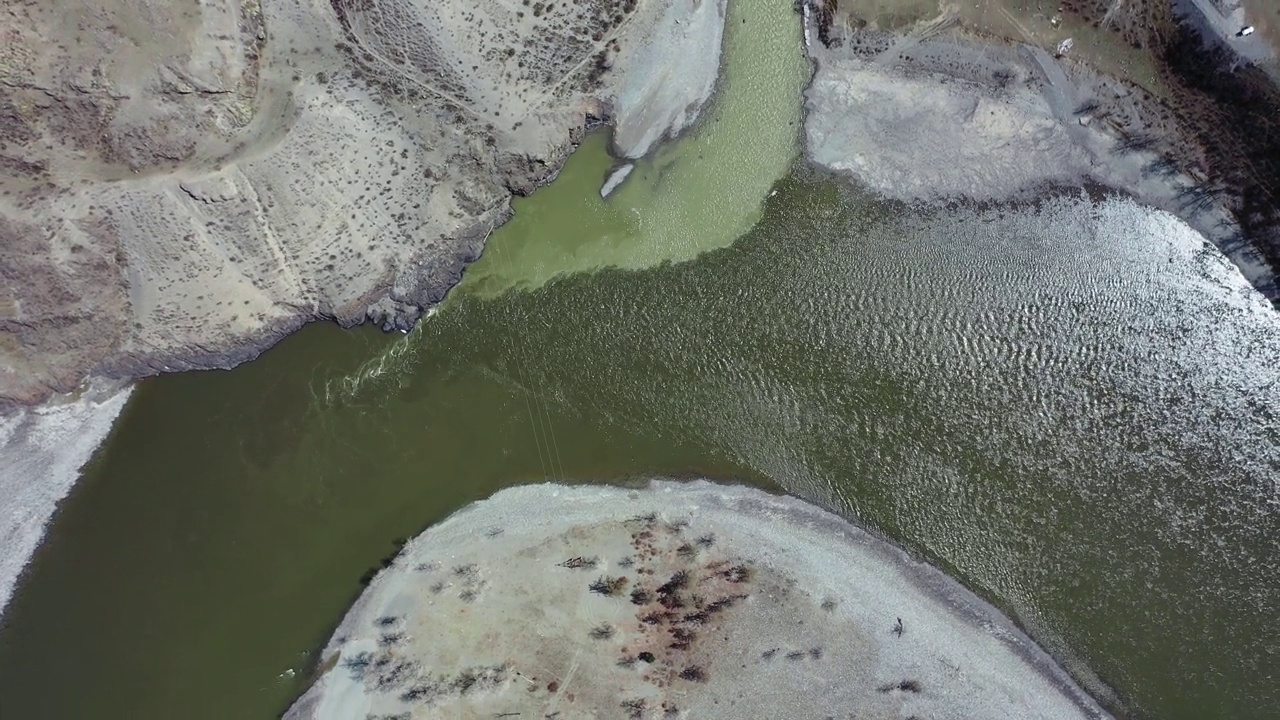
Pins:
x: 1075, y: 407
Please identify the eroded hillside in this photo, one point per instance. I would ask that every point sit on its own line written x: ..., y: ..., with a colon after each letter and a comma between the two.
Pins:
x: 185, y: 182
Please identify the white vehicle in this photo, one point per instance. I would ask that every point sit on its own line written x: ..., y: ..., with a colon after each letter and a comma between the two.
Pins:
x: 1245, y: 31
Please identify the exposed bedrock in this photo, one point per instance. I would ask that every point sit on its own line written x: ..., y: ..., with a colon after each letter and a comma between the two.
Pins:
x: 184, y: 183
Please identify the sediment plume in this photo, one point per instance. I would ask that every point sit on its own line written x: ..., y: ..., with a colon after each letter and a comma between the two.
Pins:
x: 41, y: 452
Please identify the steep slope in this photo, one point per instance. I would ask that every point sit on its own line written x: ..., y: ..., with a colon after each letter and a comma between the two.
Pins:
x: 1001, y: 101
x: 185, y: 183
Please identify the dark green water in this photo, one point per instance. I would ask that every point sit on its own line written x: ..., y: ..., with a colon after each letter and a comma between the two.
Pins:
x: 1075, y: 409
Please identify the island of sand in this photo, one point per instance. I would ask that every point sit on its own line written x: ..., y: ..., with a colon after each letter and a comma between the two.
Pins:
x: 679, y: 600
x: 183, y: 184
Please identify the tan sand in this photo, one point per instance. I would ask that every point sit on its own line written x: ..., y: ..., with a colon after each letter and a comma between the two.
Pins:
x: 685, y: 600
x: 185, y: 184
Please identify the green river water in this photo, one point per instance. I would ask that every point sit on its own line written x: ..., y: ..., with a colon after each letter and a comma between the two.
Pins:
x: 1073, y: 406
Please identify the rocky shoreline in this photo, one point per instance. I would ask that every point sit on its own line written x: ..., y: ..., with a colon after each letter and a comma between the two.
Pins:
x: 316, y: 174
x: 683, y: 599
x: 42, y: 450
x: 180, y: 206
x: 186, y: 202
x: 162, y: 266
x: 943, y: 113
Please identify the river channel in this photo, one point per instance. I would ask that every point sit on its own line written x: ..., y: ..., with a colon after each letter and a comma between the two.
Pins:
x: 1073, y: 406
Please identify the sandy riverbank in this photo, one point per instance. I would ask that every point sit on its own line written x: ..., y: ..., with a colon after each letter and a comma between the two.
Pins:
x: 41, y: 452
x: 932, y: 112
x: 249, y: 169
x: 678, y: 600
x: 187, y: 202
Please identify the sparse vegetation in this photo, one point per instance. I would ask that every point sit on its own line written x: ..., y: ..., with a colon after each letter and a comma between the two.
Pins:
x: 608, y: 586
x: 910, y: 686
x: 634, y: 708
